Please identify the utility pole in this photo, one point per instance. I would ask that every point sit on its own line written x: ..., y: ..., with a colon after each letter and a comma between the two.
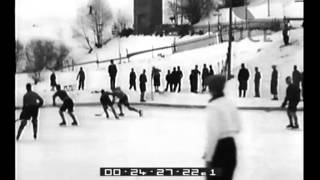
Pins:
x: 246, y: 13
x: 268, y: 8
x: 228, y: 61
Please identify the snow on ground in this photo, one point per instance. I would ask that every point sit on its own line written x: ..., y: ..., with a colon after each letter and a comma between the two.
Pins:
x: 173, y: 138
x: 262, y: 54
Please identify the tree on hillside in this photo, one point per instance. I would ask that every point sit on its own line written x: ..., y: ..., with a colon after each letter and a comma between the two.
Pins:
x: 94, y: 19
x: 43, y: 54
x: 122, y: 20
x: 192, y: 10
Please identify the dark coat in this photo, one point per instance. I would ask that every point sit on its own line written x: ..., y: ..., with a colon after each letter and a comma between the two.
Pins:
x: 174, y: 77
x: 156, y: 79
x: 296, y: 78
x: 179, y: 74
x: 274, y: 82
x: 257, y: 77
x: 112, y: 70
x: 143, y: 80
x: 243, y: 77
x: 53, y: 80
x: 195, y: 73
x: 132, y: 77
x: 168, y: 77
x: 211, y: 72
x: 81, y: 75
x: 205, y: 73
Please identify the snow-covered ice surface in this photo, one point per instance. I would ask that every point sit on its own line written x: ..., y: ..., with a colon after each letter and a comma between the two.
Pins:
x: 163, y: 137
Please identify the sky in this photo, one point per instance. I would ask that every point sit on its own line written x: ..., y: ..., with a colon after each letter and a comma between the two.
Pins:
x: 62, y: 9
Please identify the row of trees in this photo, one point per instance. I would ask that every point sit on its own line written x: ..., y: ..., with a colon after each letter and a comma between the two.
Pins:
x: 39, y: 54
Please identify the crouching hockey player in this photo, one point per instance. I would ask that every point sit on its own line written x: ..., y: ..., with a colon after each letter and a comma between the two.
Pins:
x: 123, y: 100
x: 67, y: 104
x: 106, y: 102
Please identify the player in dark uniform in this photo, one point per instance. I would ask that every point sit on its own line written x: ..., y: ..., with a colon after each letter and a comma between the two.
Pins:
x: 123, y: 100
x: 31, y: 103
x: 293, y: 97
x: 106, y: 101
x: 67, y: 104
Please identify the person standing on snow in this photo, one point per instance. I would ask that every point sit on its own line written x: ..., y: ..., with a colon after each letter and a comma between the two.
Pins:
x: 112, y: 70
x: 243, y: 77
x: 143, y: 81
x: 81, y: 77
x: 257, y: 78
x: 274, y: 83
x: 132, y: 80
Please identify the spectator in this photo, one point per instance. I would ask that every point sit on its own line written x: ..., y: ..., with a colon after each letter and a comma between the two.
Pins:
x: 296, y: 76
x: 243, y: 77
x: 174, y: 79
x: 257, y: 78
x: 180, y: 75
x: 156, y: 78
x: 274, y: 83
x: 195, y: 73
x: 285, y: 31
x: 132, y: 80
x: 81, y: 77
x: 168, y: 79
x: 112, y: 69
x: 205, y: 74
x: 143, y: 81
x: 211, y: 72
x: 53, y: 82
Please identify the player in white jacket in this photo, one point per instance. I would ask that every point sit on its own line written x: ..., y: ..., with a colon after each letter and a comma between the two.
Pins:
x: 223, y: 124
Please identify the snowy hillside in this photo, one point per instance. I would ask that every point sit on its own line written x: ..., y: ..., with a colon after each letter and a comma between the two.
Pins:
x: 259, y: 10
x: 261, y: 54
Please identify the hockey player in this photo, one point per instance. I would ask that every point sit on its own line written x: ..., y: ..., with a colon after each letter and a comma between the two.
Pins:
x: 67, y: 104
x: 223, y: 125
x: 106, y: 102
x: 31, y: 103
x: 123, y: 100
x: 293, y: 97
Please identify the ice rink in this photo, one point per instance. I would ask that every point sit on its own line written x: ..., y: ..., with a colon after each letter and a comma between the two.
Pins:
x: 163, y: 137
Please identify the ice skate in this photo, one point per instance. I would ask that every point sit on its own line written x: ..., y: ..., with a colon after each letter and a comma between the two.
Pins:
x: 74, y: 123
x: 62, y: 124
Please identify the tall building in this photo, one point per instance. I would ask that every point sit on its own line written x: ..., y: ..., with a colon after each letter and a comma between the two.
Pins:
x: 147, y: 15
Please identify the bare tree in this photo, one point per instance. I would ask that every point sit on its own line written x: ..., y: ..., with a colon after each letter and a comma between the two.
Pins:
x: 122, y: 20
x: 42, y: 54
x: 99, y: 18
x: 92, y: 22
x: 194, y: 10
x: 81, y: 28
